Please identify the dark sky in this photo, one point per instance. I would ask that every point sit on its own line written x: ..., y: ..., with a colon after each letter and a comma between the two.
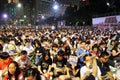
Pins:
x: 98, y: 4
x: 2, y: 2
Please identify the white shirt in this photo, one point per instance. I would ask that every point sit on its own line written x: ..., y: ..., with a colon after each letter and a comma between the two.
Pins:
x: 26, y: 62
x: 28, y: 49
x: 84, y: 69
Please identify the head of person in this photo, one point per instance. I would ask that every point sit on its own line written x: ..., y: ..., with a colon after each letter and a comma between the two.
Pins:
x: 1, y: 42
x: 32, y: 74
x: 4, y: 56
x: 95, y: 48
x: 13, y: 70
x: 88, y: 60
x: 27, y: 43
x: 67, y: 50
x: 1, y: 47
x: 46, y: 55
x: 60, y: 43
x: 54, y: 47
x: 60, y: 55
x: 112, y: 42
x: 104, y: 56
x: 118, y: 45
x: 83, y: 44
x: 102, y: 45
x: 37, y: 43
x: 18, y: 43
x: 23, y: 54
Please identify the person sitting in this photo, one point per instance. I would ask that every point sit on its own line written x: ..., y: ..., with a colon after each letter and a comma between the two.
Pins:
x: 103, y: 64
x: 11, y: 47
x: 14, y: 72
x: 28, y: 47
x: 95, y: 52
x: 45, y: 65
x: 1, y: 48
x: 5, y: 60
x: 81, y: 52
x: 115, y: 54
x: 39, y: 50
x: 90, y: 71
x: 23, y: 60
x: 53, y: 50
x: 32, y: 74
x: 59, y: 65
x: 74, y: 70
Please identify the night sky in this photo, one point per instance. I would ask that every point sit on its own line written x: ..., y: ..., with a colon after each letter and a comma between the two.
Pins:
x: 94, y: 7
x: 2, y: 3
x: 96, y: 4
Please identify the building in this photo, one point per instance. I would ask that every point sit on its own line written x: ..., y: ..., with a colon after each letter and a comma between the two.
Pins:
x: 69, y: 2
x: 43, y: 8
x: 29, y: 10
x: 20, y: 14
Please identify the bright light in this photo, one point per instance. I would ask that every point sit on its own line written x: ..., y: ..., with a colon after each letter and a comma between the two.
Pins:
x: 108, y: 4
x: 83, y: 0
x: 55, y: 7
x: 25, y: 16
x: 5, y: 16
x: 19, y: 5
x: 43, y: 17
x: 53, y: 27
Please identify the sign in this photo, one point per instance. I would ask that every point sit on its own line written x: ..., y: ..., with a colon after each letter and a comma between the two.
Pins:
x: 107, y: 22
x: 21, y: 20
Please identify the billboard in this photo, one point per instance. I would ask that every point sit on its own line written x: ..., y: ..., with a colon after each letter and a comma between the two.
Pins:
x: 107, y: 22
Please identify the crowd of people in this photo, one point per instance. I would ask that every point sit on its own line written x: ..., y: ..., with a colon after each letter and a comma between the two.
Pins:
x: 63, y: 54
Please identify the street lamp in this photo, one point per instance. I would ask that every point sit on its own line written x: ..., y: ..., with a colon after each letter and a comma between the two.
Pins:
x: 19, y: 5
x: 5, y: 16
x: 55, y: 6
x: 108, y: 4
x: 43, y: 17
x: 25, y: 16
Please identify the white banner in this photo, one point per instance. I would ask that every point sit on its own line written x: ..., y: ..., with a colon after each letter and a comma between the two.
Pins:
x: 108, y: 19
x: 111, y: 22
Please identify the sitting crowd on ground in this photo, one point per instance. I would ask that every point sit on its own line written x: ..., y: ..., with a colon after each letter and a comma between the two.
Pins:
x: 79, y: 54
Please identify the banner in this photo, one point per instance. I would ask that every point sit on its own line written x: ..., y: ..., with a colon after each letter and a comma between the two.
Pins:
x: 107, y: 22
